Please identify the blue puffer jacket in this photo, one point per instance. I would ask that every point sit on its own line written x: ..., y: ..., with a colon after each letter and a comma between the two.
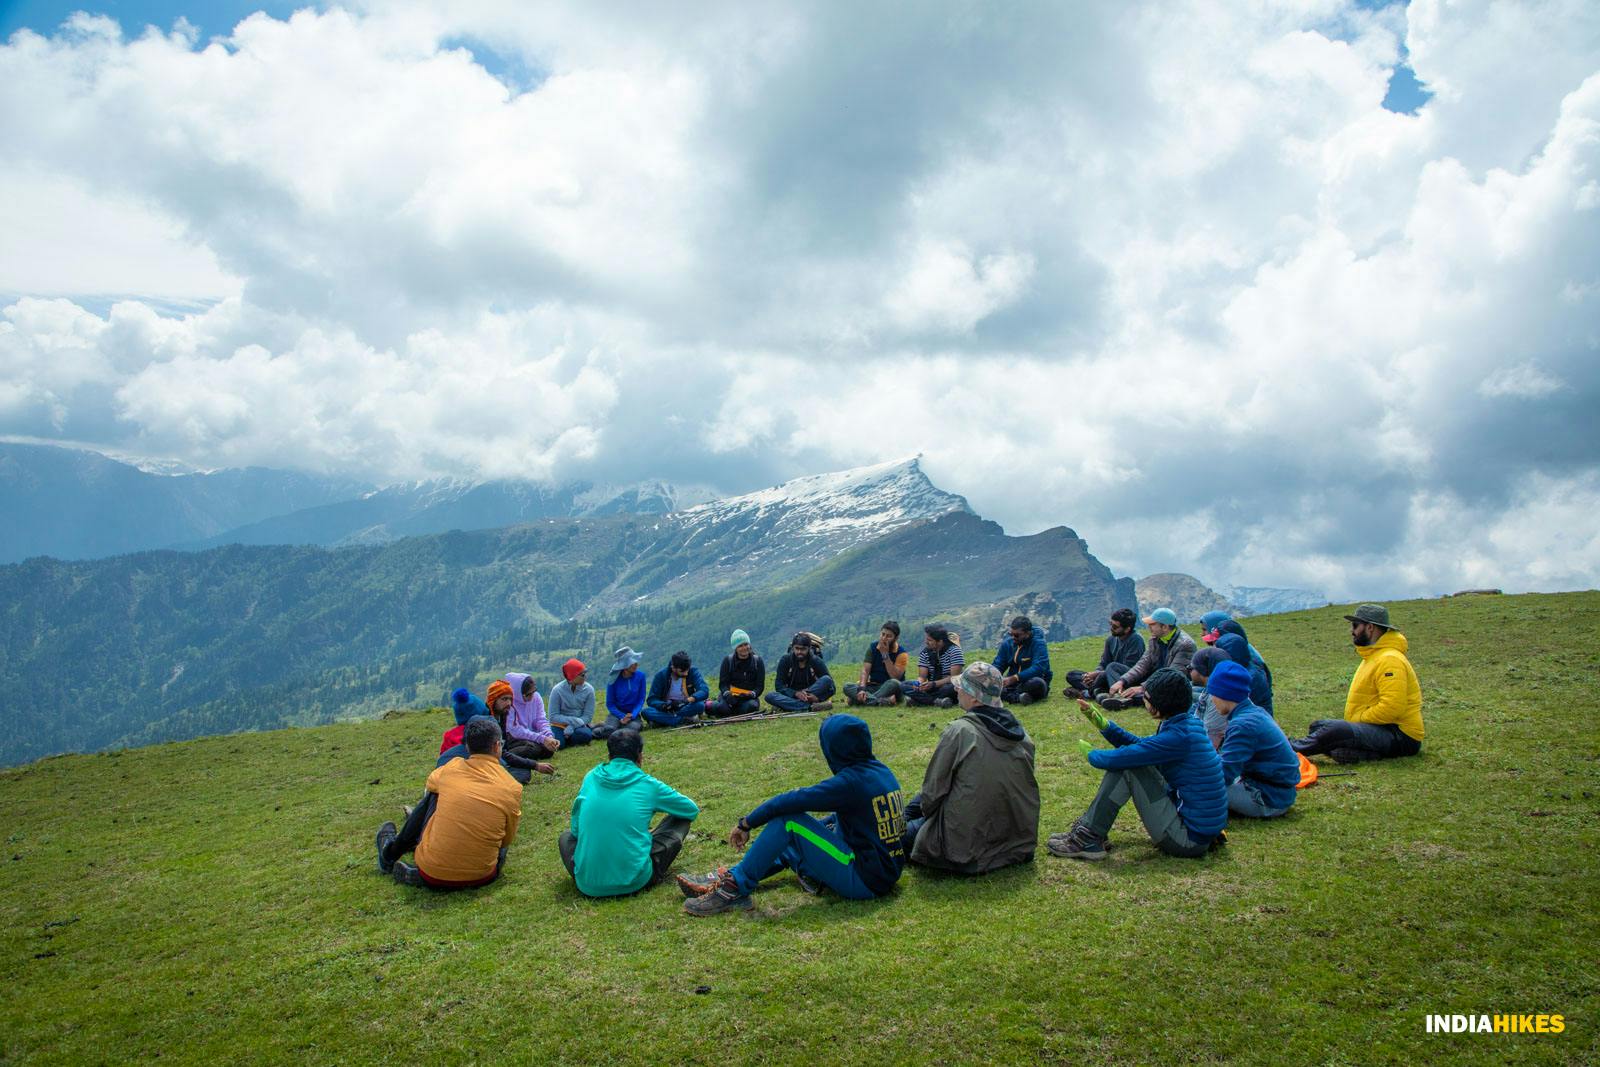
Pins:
x: 866, y: 796
x: 1253, y: 747
x: 694, y: 687
x: 1032, y: 661
x: 1182, y: 752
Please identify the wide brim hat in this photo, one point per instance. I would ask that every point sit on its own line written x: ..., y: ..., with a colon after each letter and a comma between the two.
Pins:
x: 1376, y: 614
x: 625, y: 658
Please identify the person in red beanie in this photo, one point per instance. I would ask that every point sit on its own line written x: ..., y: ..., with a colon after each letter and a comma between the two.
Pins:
x: 570, y: 708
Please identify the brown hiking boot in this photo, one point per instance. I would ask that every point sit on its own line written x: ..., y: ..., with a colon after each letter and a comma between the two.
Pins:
x: 698, y: 885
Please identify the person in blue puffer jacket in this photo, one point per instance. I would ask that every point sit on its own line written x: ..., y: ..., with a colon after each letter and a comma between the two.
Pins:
x: 857, y: 851
x: 1173, y: 777
x: 1260, y: 769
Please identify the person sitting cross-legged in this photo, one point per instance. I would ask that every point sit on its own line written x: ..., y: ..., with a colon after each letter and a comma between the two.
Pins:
x: 883, y: 671
x: 1123, y: 648
x: 519, y: 763
x: 978, y: 809
x: 625, y: 693
x: 1383, y: 710
x: 610, y: 849
x: 529, y: 733
x: 740, y: 681
x: 571, y: 705
x: 466, y: 820
x: 677, y: 693
x: 1261, y: 770
x: 1173, y: 777
x: 938, y: 664
x: 1168, y: 647
x: 856, y: 852
x: 1024, y: 663
x: 802, y: 679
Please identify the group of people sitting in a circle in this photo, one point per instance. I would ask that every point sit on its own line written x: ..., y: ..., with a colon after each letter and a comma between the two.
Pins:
x: 1216, y: 751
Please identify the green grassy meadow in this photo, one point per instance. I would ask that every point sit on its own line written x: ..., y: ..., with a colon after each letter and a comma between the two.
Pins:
x: 217, y: 900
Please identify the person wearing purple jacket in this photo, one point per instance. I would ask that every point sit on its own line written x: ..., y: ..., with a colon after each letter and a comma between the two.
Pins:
x: 528, y: 732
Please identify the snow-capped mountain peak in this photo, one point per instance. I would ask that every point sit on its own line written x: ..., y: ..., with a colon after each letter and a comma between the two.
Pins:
x: 875, y: 498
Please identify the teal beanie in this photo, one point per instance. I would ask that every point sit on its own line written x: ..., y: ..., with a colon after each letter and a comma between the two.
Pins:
x: 739, y: 637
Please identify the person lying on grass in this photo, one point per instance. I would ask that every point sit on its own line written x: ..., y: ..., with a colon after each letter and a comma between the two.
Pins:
x: 856, y: 851
x: 1173, y: 778
x: 1383, y: 710
x: 978, y: 809
x: 469, y: 707
x: 609, y: 849
x: 466, y: 820
x: 883, y: 671
x: 677, y: 693
x: 1261, y: 770
x: 741, y: 681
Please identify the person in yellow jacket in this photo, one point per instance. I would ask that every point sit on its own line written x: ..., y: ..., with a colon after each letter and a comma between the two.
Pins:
x: 1383, y: 712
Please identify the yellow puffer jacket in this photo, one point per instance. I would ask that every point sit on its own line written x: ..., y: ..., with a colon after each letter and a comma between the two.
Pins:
x: 1385, y: 688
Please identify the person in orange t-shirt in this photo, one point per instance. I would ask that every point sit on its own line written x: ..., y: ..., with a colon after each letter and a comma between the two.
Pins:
x: 465, y: 822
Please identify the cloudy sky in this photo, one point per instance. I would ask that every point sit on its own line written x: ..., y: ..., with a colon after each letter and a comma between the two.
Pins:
x: 1209, y: 282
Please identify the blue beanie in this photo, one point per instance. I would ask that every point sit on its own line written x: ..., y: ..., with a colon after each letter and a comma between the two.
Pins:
x: 467, y: 704
x: 1229, y: 681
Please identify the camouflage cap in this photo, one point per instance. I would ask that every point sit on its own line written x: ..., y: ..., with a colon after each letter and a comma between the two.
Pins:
x: 981, y: 682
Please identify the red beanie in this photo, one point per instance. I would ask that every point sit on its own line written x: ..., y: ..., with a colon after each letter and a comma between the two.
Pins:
x: 571, y: 669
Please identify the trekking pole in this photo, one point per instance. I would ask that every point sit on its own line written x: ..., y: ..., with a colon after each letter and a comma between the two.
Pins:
x: 1335, y: 774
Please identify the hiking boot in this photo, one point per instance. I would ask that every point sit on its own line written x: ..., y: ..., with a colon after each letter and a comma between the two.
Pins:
x: 944, y: 702
x: 725, y: 896
x: 1111, y: 703
x: 698, y: 885
x: 822, y: 705
x: 1072, y: 692
x: 1077, y: 844
x: 1352, y: 755
x: 1025, y: 699
x: 808, y: 883
x: 406, y: 874
x: 386, y: 833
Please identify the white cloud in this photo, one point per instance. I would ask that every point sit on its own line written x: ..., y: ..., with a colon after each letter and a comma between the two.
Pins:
x: 1172, y: 277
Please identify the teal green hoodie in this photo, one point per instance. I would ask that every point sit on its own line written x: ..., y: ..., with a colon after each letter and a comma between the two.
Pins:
x: 611, y: 820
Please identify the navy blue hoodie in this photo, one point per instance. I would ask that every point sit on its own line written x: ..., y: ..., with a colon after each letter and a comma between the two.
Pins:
x: 865, y: 794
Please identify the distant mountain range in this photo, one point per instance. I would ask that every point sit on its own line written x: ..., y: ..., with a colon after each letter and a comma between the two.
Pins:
x: 75, y: 504
x: 1190, y: 598
x: 246, y: 637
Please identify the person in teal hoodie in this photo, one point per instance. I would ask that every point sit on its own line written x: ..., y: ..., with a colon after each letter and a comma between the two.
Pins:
x: 1173, y: 777
x: 1261, y: 770
x: 610, y: 850
x: 858, y: 851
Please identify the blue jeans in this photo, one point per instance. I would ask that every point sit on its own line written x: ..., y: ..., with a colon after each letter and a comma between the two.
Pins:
x: 674, y: 715
x: 805, y: 845
x: 571, y: 733
x: 822, y: 687
x: 1245, y: 799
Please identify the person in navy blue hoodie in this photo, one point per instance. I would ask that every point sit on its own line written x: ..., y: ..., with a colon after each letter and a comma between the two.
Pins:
x: 1024, y: 664
x: 677, y: 693
x: 1238, y: 650
x: 1260, y: 769
x: 856, y: 852
x: 1173, y: 777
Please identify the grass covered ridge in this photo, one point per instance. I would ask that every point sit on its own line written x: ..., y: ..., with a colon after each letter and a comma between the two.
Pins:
x: 217, y: 900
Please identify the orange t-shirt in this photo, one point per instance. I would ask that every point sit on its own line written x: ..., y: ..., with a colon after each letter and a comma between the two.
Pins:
x: 476, y: 816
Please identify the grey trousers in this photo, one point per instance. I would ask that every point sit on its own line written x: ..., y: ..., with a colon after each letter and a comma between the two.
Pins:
x: 666, y: 841
x: 1147, y: 788
x: 1245, y: 799
x: 876, y: 698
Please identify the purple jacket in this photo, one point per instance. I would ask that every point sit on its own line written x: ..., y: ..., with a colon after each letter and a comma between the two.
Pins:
x: 526, y: 721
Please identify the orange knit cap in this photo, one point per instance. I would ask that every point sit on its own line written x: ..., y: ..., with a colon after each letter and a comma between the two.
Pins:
x: 497, y: 689
x: 572, y: 668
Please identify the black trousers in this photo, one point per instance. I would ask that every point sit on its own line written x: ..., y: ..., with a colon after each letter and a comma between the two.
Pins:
x: 666, y: 841
x: 925, y: 697
x: 1037, y: 688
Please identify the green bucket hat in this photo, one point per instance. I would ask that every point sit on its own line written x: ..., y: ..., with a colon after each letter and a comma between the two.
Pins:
x: 1376, y: 614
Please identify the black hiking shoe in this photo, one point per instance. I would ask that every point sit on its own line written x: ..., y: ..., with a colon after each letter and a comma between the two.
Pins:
x: 808, y: 883
x: 1025, y: 699
x: 386, y: 833
x: 1111, y: 703
x: 1078, y: 843
x: 1352, y: 755
x: 944, y: 702
x: 698, y: 885
x: 725, y: 896
x: 406, y: 874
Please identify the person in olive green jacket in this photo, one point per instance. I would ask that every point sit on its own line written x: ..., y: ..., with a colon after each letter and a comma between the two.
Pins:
x: 610, y: 850
x: 978, y: 809
x: 1383, y: 710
